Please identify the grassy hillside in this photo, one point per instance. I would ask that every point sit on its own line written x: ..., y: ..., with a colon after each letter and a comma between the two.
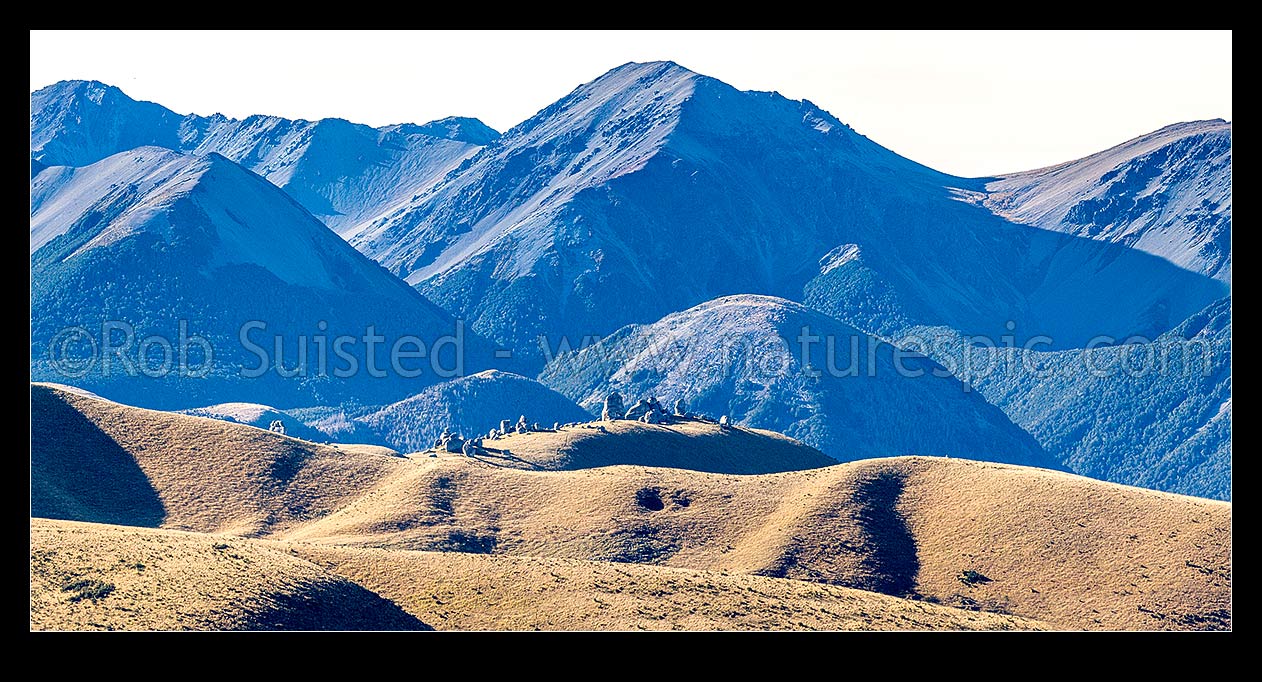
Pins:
x: 101, y: 577
x: 1057, y: 548
x: 686, y: 444
x: 95, y: 460
x: 97, y: 577
x: 471, y: 592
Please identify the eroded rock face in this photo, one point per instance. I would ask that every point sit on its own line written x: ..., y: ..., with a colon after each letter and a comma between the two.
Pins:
x: 638, y: 410
x: 453, y: 443
x: 681, y: 408
x: 613, y: 408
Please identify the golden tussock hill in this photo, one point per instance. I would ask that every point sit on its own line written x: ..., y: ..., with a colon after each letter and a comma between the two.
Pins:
x: 96, y: 577
x: 479, y: 592
x: 687, y: 444
x: 1059, y: 549
x: 1069, y: 550
x: 96, y: 460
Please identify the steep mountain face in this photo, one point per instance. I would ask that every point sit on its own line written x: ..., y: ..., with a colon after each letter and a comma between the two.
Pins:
x: 1167, y: 193
x: 471, y: 406
x: 76, y: 123
x: 843, y: 393
x: 1156, y: 415
x: 343, y: 173
x: 166, y: 242
x: 653, y: 189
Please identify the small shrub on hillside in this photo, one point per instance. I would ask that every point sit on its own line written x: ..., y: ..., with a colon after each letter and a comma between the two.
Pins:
x: 971, y: 577
x: 88, y: 589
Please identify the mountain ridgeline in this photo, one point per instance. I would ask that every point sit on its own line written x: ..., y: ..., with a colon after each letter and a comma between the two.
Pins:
x: 1167, y: 193
x: 343, y: 173
x: 653, y: 189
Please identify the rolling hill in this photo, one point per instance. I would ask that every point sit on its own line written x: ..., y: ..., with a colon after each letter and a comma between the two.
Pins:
x: 167, y: 580
x: 95, y: 577
x: 1064, y: 550
x: 690, y: 444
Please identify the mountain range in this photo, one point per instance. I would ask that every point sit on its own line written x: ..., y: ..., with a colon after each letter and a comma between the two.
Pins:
x: 653, y: 189
x: 653, y: 205
x: 343, y: 173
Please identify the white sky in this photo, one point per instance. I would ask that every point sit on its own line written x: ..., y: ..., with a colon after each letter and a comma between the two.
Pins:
x: 970, y: 103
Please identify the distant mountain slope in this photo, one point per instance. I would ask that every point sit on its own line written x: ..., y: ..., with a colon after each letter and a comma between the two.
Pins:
x: 343, y: 173
x: 77, y: 123
x: 1155, y: 415
x: 258, y: 416
x: 471, y: 406
x: 156, y: 240
x: 742, y: 356
x: 1167, y: 193
x: 652, y: 189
